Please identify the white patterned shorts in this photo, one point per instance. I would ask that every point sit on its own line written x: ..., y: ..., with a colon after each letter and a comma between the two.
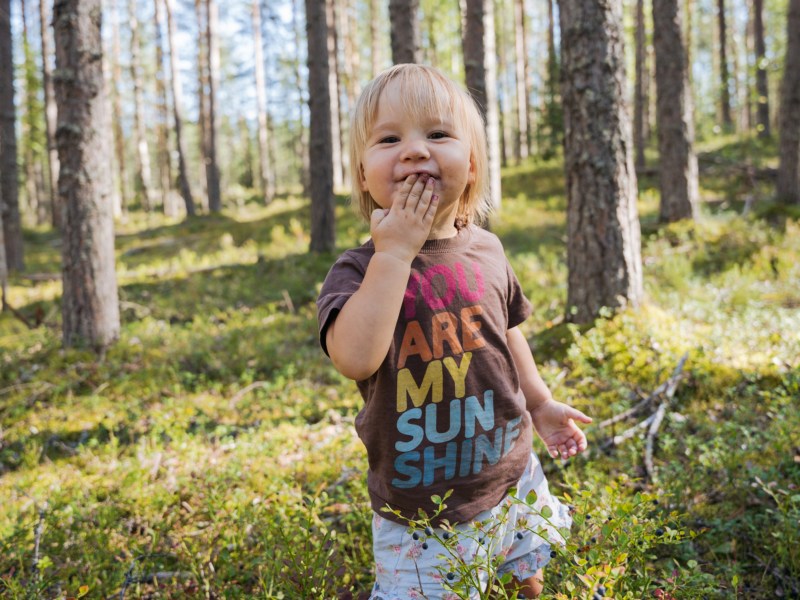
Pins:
x: 513, y: 537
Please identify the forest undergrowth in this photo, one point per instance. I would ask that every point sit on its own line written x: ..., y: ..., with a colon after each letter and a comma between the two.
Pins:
x: 211, y: 452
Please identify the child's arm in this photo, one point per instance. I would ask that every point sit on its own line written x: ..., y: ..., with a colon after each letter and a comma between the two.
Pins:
x: 360, y: 336
x: 554, y: 421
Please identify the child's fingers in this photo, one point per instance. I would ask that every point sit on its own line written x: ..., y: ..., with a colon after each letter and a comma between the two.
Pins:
x: 574, y: 413
x: 414, y: 200
x: 405, y: 191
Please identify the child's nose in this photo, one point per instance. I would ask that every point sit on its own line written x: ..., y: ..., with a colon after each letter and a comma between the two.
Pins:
x: 415, y: 150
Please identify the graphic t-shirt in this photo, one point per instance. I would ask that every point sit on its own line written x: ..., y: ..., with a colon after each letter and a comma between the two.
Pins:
x: 444, y: 411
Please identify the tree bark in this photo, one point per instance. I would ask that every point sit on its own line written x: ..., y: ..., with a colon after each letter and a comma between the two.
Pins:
x: 212, y: 47
x: 90, y: 307
x: 162, y: 130
x: 50, y: 121
x: 523, y: 79
x: 480, y: 68
x: 724, y: 73
x: 604, y: 240
x: 116, y: 114
x: 404, y: 30
x: 177, y: 110
x: 376, y: 59
x: 789, y: 148
x: 264, y: 171
x: 675, y: 117
x: 333, y: 83
x: 640, y: 87
x: 143, y: 184
x: 323, y: 233
x: 9, y: 187
x: 301, y: 139
x: 762, y: 86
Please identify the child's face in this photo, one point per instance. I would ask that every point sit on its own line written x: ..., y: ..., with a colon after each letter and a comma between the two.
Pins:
x: 400, y: 145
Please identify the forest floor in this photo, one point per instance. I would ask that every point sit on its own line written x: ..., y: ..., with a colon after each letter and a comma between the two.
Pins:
x: 211, y: 452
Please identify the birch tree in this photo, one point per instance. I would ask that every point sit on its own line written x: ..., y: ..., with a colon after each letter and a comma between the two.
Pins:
x: 177, y: 111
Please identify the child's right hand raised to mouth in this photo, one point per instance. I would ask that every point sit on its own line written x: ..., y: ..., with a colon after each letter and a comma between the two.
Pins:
x: 402, y: 229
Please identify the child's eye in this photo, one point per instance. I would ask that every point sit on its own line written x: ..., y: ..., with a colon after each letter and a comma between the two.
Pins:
x: 389, y: 139
x: 438, y: 135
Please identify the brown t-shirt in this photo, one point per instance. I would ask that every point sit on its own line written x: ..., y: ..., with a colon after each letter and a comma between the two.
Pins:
x: 444, y: 410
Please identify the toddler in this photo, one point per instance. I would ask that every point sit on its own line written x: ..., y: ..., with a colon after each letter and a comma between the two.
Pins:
x: 424, y: 317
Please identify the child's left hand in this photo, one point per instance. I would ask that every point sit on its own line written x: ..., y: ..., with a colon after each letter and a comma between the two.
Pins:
x: 555, y: 423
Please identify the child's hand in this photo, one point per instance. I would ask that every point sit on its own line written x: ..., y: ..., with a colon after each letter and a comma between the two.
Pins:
x: 402, y: 229
x: 555, y: 423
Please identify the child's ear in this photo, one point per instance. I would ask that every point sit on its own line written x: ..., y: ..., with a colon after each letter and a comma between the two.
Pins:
x: 361, y: 179
x: 473, y: 169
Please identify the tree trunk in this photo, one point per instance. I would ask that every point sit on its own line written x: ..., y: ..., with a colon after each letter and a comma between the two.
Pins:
x: 143, y: 182
x: 264, y: 171
x: 116, y: 114
x: 640, y: 87
x: 32, y: 137
x: 162, y: 131
x: 3, y: 267
x: 301, y: 139
x: 480, y: 67
x: 50, y: 122
x: 9, y: 187
x: 376, y: 60
x: 724, y: 73
x: 177, y: 109
x: 523, y: 79
x: 323, y: 232
x: 90, y: 307
x: 789, y: 148
x: 202, y: 99
x: 212, y: 165
x: 552, y: 108
x: 604, y: 244
x: 404, y: 29
x: 333, y: 95
x: 675, y: 118
x: 762, y: 87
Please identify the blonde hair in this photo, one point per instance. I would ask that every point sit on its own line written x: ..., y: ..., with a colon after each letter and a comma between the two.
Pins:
x: 426, y: 91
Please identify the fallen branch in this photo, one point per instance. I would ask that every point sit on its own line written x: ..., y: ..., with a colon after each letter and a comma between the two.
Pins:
x: 245, y: 390
x: 651, y: 423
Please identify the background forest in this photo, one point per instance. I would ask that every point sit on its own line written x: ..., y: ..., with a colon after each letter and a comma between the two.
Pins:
x: 184, y: 436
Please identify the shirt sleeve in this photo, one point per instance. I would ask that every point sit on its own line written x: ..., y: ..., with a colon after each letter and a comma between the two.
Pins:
x: 519, y: 307
x: 342, y: 281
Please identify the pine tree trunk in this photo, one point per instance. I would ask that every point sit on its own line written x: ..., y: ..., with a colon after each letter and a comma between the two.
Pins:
x: 50, y: 121
x: 162, y: 130
x: 90, y: 307
x: 640, y: 89
x: 480, y: 68
x: 177, y: 110
x: 404, y: 29
x: 9, y: 187
x: 323, y: 233
x: 3, y: 267
x: 116, y: 114
x: 143, y: 177
x: 789, y: 168
x: 264, y: 170
x: 523, y: 82
x: 376, y: 59
x: 333, y: 95
x: 212, y: 165
x: 302, y: 141
x: 762, y: 86
x: 675, y: 117
x: 34, y: 177
x: 724, y: 73
x: 202, y: 99
x: 604, y: 245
